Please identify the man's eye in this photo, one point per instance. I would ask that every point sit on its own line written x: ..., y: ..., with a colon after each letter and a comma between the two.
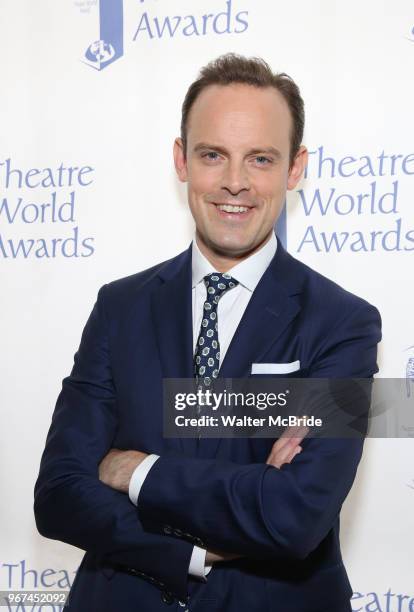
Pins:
x: 262, y: 160
x: 211, y: 155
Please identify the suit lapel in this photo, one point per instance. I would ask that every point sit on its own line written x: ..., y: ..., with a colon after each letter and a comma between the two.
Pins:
x: 271, y: 309
x: 173, y: 324
x: 269, y: 312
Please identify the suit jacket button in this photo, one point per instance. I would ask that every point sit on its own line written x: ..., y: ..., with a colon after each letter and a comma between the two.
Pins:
x: 167, y: 597
x: 199, y: 542
x: 178, y: 532
x: 167, y: 529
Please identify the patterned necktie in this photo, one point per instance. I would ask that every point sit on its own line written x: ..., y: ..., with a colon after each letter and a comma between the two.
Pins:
x: 207, y: 352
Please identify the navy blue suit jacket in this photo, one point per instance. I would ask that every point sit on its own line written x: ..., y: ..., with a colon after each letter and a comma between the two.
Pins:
x: 220, y: 495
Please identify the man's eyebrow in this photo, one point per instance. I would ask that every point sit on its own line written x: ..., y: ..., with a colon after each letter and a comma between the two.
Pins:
x: 256, y: 151
x: 205, y: 145
x: 268, y: 150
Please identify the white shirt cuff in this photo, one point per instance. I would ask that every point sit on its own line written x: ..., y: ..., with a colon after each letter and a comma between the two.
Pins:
x: 138, y: 477
x: 198, y: 567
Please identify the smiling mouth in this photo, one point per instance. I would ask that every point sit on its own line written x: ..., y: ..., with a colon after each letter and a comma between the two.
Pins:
x: 231, y: 208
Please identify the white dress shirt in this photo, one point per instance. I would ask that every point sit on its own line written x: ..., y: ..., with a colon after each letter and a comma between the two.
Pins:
x: 230, y: 310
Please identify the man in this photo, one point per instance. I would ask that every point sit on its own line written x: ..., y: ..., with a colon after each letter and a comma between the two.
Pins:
x: 232, y: 524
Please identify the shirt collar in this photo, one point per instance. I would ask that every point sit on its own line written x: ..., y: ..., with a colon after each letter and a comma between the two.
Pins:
x: 248, y: 272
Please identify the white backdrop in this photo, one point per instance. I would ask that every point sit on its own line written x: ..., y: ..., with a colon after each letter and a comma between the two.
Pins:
x: 115, y: 121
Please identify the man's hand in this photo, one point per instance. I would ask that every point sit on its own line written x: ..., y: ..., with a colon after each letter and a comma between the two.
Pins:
x: 285, y: 449
x: 117, y: 467
x: 215, y: 556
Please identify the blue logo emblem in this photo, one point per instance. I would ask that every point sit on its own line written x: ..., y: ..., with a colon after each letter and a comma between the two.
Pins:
x: 110, y: 46
x: 107, y: 45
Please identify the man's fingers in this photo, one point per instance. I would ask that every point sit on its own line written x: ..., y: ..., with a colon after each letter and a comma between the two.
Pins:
x: 290, y: 439
x: 296, y: 431
x: 292, y: 436
x: 297, y: 450
x: 285, y: 455
x: 217, y: 556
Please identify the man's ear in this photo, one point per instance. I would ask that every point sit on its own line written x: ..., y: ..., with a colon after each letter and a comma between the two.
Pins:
x: 180, y: 160
x: 297, y: 168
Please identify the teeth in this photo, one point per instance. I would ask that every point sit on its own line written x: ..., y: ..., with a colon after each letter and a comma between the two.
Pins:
x: 232, y: 209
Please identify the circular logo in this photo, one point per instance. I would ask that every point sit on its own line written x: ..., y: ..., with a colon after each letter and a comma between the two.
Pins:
x: 100, y: 52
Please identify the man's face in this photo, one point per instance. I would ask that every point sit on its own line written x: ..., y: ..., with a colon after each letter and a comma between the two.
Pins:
x: 237, y: 166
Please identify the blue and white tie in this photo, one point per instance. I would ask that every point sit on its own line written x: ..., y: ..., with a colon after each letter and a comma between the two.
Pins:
x: 207, y: 351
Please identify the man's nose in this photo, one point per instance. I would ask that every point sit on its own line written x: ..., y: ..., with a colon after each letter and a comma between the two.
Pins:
x: 235, y: 178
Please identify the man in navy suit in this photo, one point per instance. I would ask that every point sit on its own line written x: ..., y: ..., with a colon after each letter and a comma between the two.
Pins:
x: 233, y: 525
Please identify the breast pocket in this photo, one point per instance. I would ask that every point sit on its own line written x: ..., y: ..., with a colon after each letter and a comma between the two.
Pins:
x: 276, y: 369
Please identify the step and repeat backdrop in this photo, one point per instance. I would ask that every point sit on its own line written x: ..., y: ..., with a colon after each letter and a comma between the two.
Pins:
x: 90, y: 106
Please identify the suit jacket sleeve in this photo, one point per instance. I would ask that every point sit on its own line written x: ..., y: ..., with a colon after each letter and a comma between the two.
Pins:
x: 258, y: 510
x: 71, y: 504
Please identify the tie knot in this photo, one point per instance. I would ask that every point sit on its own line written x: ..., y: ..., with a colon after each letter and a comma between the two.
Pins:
x: 217, y: 284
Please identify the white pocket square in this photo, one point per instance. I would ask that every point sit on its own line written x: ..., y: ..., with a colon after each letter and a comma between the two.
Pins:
x: 275, y: 368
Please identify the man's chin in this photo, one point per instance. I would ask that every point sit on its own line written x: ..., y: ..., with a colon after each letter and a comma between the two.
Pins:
x: 232, y: 250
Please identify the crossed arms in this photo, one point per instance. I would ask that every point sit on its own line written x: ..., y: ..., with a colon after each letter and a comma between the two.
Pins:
x: 263, y: 512
x: 118, y: 466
